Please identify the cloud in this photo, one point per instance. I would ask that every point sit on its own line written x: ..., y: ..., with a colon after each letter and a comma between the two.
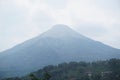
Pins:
x: 55, y: 4
x: 23, y: 19
x: 89, y: 11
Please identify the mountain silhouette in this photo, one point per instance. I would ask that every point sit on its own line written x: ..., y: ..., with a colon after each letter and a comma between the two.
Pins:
x: 59, y: 44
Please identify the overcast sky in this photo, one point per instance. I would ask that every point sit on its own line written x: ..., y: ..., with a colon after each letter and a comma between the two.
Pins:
x: 21, y: 20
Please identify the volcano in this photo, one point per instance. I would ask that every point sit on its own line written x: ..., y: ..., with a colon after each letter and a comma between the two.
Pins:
x: 59, y: 44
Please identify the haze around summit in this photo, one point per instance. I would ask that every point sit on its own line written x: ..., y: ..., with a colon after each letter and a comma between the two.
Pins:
x: 21, y: 20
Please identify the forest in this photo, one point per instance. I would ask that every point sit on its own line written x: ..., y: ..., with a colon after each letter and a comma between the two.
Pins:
x: 99, y: 70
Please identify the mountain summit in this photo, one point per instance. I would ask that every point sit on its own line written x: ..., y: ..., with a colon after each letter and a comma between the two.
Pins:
x: 59, y: 44
x: 61, y: 31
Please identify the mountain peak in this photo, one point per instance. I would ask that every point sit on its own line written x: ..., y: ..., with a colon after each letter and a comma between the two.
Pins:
x: 59, y: 44
x: 61, y: 31
x: 60, y: 26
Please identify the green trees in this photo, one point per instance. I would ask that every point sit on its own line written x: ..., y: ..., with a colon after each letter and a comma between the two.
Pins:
x: 46, y: 76
x: 100, y: 70
x: 33, y: 77
x: 114, y: 66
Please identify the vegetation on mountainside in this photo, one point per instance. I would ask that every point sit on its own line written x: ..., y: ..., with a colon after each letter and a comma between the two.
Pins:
x: 100, y: 70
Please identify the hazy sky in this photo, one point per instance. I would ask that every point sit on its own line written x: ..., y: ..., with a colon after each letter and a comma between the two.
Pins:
x: 23, y: 19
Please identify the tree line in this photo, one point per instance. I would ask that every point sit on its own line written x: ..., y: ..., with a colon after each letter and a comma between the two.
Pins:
x: 99, y: 70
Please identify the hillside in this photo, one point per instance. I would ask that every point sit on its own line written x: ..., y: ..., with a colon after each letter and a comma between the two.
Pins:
x: 99, y: 70
x: 59, y: 44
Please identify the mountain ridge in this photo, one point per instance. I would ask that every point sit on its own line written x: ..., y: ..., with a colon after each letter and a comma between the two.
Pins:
x: 59, y: 44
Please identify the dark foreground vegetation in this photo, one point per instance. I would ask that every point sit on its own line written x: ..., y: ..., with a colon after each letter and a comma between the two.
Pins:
x: 99, y: 70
